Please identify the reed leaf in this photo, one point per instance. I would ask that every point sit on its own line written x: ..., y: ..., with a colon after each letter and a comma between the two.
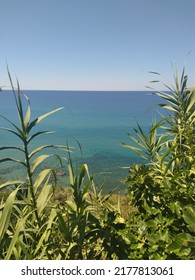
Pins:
x: 12, y: 148
x: 39, y: 119
x: 27, y: 116
x: 41, y: 245
x: 41, y: 177
x: 38, y: 134
x: 169, y: 107
x: 15, y: 126
x: 191, y: 98
x: 44, y: 196
x: 6, y: 213
x: 13, y: 160
x: 20, y: 227
x: 13, y: 132
x: 13, y: 89
x: 38, y: 161
x: 39, y: 149
x: 11, y: 183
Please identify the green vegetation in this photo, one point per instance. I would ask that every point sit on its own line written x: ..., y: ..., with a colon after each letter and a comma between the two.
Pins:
x: 154, y: 220
x: 163, y: 190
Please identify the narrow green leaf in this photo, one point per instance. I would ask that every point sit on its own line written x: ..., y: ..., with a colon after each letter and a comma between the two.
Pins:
x: 168, y: 107
x: 81, y: 175
x: 6, y: 213
x: 13, y: 132
x: 39, y: 149
x: 131, y: 147
x: 38, y: 134
x: 12, y: 148
x: 20, y: 112
x: 13, y: 89
x: 64, y: 228
x: 135, y: 149
x: 137, y: 141
x: 37, y: 120
x: 27, y: 117
x: 45, y: 236
x: 71, y: 174
x: 41, y: 177
x: 191, y: 99
x: 12, y: 160
x: 19, y: 228
x: 44, y: 196
x: 11, y: 183
x: 38, y: 161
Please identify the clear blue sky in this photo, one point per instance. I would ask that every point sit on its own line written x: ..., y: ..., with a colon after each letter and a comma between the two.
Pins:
x: 95, y: 44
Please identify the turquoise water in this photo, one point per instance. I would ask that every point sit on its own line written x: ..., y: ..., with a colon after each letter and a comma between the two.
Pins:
x: 99, y: 121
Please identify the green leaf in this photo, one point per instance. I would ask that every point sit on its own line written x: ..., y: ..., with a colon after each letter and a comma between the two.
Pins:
x: 11, y: 148
x: 13, y: 160
x: 64, y: 228
x: 191, y: 99
x: 37, y: 120
x: 6, y: 213
x: 12, y: 246
x: 46, y: 234
x: 13, y: 89
x: 44, y: 196
x: 171, y: 108
x: 27, y: 116
x: 82, y: 175
x: 38, y: 134
x: 21, y: 133
x: 41, y: 177
x: 38, y: 161
x: 39, y: 149
x: 71, y: 174
x: 11, y: 183
x: 13, y: 132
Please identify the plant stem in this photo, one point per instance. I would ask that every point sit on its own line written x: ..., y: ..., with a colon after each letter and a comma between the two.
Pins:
x: 31, y: 181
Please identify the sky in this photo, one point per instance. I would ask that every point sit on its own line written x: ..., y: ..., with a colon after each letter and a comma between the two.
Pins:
x: 95, y: 44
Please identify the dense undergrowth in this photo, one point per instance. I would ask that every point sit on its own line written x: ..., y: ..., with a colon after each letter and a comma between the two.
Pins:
x: 154, y: 220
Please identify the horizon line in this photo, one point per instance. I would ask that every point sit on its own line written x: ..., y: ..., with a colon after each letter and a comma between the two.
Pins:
x: 81, y: 90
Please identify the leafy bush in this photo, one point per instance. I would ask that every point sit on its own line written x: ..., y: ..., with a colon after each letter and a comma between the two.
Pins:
x: 163, y: 190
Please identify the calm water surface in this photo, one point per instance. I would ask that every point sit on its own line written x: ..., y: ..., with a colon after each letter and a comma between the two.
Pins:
x: 99, y: 121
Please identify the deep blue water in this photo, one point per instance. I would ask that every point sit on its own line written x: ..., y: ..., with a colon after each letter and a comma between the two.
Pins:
x: 99, y: 121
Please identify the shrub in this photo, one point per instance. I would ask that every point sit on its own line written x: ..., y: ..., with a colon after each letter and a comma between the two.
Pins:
x: 163, y: 189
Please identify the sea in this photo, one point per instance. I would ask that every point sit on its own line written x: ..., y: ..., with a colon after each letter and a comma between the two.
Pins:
x: 94, y: 124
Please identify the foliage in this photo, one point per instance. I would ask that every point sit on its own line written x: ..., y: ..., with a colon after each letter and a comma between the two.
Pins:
x: 33, y: 224
x: 88, y: 224
x: 163, y: 190
x: 39, y: 221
